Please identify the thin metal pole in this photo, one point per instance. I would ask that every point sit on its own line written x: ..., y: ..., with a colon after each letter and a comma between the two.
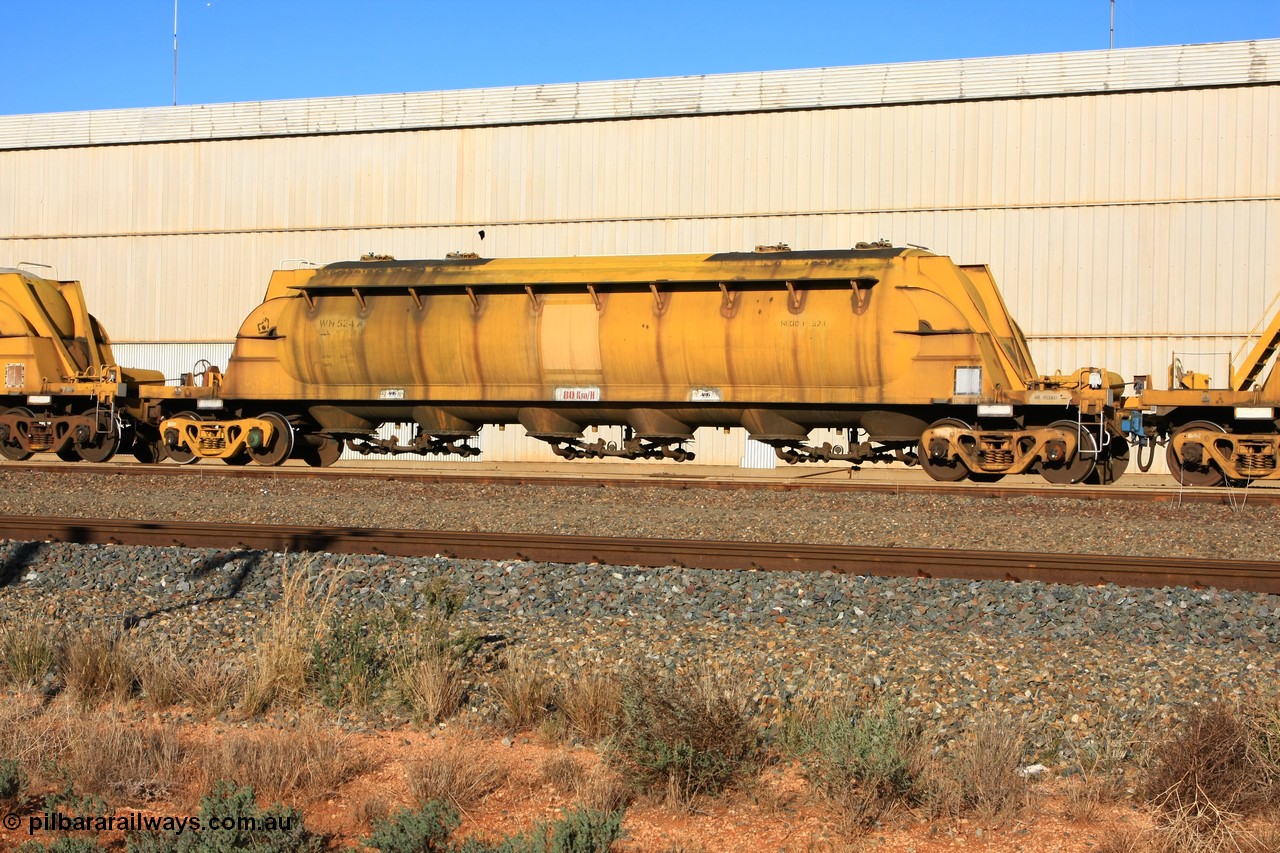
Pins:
x: 1113, y: 24
x: 175, y: 51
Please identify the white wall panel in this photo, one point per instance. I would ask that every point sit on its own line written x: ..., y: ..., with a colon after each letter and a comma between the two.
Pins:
x: 982, y: 78
x: 1121, y: 226
x: 173, y: 359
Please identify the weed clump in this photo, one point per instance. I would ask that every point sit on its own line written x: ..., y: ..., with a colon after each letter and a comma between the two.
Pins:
x: 865, y: 761
x: 28, y: 651
x: 684, y: 737
x: 96, y: 667
x: 1210, y: 776
x: 425, y: 829
x: 13, y: 781
x: 230, y: 819
x: 459, y: 772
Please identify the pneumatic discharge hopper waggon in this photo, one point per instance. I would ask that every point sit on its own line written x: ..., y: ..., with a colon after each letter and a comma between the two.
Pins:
x: 914, y: 357
x: 63, y: 391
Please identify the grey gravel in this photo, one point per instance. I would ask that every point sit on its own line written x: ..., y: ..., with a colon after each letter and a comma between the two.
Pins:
x: 1078, y: 665
x: 1058, y: 525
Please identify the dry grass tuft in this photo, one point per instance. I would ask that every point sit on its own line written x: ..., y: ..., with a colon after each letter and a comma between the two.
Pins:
x: 591, y: 705
x: 28, y: 650
x: 458, y: 771
x: 985, y: 769
x: 106, y: 754
x: 433, y: 686
x: 161, y: 677
x: 603, y: 789
x: 96, y: 667
x: 1082, y: 798
x: 305, y: 762
x: 282, y: 657
x: 1123, y: 839
x: 563, y: 772
x: 1210, y: 767
x: 521, y: 691
x: 370, y: 809
x: 35, y: 736
x: 212, y: 690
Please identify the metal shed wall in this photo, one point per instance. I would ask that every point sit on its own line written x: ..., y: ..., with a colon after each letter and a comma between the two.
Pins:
x: 1128, y: 202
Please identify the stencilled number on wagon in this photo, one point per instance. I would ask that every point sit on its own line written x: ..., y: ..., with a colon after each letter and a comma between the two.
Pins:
x: 350, y: 324
x: 803, y: 324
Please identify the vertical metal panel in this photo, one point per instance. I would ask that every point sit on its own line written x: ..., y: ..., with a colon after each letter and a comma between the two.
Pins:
x: 1120, y: 227
x: 172, y: 359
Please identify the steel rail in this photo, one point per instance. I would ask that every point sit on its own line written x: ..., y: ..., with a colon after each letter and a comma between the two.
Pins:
x: 1259, y: 495
x: 1257, y: 576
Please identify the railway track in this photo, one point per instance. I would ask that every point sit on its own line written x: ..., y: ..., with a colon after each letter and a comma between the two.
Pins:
x: 1267, y: 495
x: 1090, y: 569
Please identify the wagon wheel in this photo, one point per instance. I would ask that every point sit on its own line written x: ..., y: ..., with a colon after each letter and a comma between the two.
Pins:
x: 950, y: 471
x: 68, y: 453
x: 324, y: 455
x: 1197, y: 473
x: 182, y: 455
x: 1114, y: 462
x: 281, y: 445
x: 104, y: 444
x: 1079, y: 467
x: 12, y: 450
x: 149, y: 449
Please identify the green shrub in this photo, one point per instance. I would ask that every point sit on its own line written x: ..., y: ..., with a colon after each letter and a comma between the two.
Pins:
x: 864, y: 760
x: 422, y: 830
x: 12, y: 780
x: 685, y: 737
x: 351, y: 660
x: 69, y: 802
x: 581, y: 830
x: 65, y: 844
x: 358, y: 658
x: 584, y: 830
x: 233, y: 810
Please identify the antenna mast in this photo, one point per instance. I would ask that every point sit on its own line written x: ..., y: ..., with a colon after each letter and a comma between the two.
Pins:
x: 1113, y: 26
x: 175, y: 51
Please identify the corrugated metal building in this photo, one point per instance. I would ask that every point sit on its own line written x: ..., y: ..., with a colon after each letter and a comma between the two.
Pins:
x: 1128, y: 201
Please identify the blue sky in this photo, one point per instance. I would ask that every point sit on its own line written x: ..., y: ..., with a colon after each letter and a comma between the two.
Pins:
x: 81, y: 54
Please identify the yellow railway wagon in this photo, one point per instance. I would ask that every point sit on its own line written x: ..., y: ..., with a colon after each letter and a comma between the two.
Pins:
x: 916, y: 357
x: 63, y: 391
